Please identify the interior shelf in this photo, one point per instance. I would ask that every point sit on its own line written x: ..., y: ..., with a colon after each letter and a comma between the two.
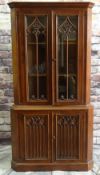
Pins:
x: 67, y: 75
x: 30, y: 43
x: 37, y: 75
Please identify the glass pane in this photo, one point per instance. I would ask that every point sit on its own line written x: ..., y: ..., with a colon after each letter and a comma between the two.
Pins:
x: 36, y: 38
x: 62, y: 88
x: 42, y: 58
x: 32, y: 88
x: 62, y: 58
x: 32, y: 66
x: 67, y: 27
x: 42, y: 88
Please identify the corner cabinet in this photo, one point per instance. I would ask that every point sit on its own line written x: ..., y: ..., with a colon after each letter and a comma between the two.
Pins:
x: 51, y: 117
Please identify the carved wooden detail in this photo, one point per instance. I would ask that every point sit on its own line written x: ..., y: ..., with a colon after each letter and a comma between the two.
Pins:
x: 35, y: 120
x: 67, y: 27
x: 68, y: 120
x: 36, y: 27
x: 67, y: 137
x: 36, y: 137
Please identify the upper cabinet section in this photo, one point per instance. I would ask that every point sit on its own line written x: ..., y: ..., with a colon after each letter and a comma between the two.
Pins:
x: 51, y: 52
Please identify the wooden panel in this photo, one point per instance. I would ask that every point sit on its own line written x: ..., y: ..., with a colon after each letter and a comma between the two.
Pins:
x: 90, y: 134
x: 31, y: 136
x: 18, y: 142
x: 36, y: 137
x: 51, y: 108
x: 78, y: 166
x: 15, y: 53
x: 70, y: 135
x: 87, y: 46
x: 67, y: 138
x: 14, y: 134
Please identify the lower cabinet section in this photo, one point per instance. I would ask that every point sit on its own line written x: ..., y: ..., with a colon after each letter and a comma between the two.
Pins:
x: 52, y: 139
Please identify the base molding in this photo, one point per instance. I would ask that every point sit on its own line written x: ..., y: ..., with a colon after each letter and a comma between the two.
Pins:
x: 23, y: 166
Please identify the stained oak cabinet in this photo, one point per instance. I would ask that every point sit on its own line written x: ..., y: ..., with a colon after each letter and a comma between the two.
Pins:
x: 51, y: 116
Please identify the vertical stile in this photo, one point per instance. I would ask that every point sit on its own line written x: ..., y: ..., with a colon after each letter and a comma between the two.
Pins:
x: 67, y: 67
x: 37, y: 66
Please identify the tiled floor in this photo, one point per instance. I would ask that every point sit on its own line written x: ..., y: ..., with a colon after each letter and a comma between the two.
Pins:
x: 5, y: 165
x: 5, y: 158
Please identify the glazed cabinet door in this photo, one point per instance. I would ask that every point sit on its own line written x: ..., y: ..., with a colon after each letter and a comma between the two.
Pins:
x: 68, y: 56
x: 70, y: 135
x: 34, y: 60
x: 31, y: 136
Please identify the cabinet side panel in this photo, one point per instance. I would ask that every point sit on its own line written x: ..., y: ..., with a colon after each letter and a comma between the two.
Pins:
x: 14, y: 135
x: 87, y: 46
x: 14, y: 20
x: 83, y: 135
x: 18, y: 143
x: 90, y: 133
x: 20, y: 119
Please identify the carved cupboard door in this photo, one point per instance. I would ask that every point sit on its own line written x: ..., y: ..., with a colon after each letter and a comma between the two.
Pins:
x: 37, y: 137
x: 33, y: 135
x: 69, y: 135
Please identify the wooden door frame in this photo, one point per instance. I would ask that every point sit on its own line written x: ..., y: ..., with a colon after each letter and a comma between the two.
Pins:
x: 80, y: 60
